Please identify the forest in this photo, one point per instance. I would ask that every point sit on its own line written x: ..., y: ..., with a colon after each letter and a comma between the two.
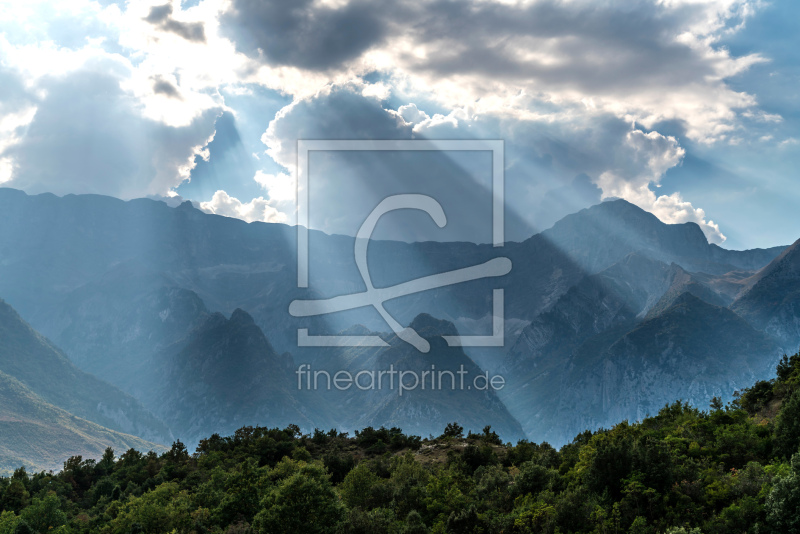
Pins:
x: 728, y: 468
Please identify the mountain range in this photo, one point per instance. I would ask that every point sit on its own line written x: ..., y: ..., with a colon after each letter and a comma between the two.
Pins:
x: 608, y: 315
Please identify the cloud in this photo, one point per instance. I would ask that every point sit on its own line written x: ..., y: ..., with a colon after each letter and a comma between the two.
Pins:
x: 552, y: 168
x: 88, y: 135
x: 280, y: 187
x: 345, y: 187
x: 672, y: 209
x: 411, y: 114
x: 640, y: 60
x: 643, y: 161
x: 257, y: 209
x: 304, y: 33
x: 578, y: 88
x: 101, y: 117
x: 161, y: 16
x: 166, y: 88
x: 335, y: 112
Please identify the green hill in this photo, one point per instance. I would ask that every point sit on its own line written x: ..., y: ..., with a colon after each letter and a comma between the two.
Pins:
x: 40, y: 436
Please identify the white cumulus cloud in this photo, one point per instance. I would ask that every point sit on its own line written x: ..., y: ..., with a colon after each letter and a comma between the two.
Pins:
x: 257, y: 209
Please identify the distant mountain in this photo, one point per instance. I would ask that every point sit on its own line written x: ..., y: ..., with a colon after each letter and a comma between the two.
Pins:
x: 115, y: 324
x: 39, y: 436
x: 682, y: 282
x: 692, y: 351
x: 57, y: 255
x: 225, y: 375
x: 30, y: 358
x: 445, y: 398
x: 772, y: 303
x: 125, y: 287
x: 600, y: 236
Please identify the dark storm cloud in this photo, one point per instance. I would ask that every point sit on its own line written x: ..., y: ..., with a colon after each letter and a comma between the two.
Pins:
x: 164, y: 87
x: 593, y: 46
x: 161, y: 16
x: 590, y: 46
x: 299, y: 33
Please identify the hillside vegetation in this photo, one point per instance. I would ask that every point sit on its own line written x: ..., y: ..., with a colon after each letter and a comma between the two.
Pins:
x: 730, y: 469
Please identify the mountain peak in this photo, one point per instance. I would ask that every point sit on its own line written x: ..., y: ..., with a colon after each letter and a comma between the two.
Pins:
x: 241, y: 317
x: 599, y: 236
x: 428, y: 326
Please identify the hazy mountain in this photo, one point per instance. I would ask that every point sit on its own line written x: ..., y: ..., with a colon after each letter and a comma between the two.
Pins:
x: 40, y: 436
x: 419, y: 410
x: 601, y: 235
x: 124, y: 287
x: 30, y: 358
x: 681, y: 282
x: 692, y: 351
x: 115, y: 324
x: 225, y: 375
x: 772, y: 302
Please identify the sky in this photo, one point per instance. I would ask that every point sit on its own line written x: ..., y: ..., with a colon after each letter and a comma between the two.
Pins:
x: 689, y: 109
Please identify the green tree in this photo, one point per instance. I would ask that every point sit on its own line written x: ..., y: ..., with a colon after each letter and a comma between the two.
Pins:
x: 414, y: 524
x: 377, y: 521
x: 161, y: 510
x: 303, y: 502
x: 240, y: 498
x: 357, y: 489
x: 8, y: 522
x: 531, y: 479
x: 453, y: 430
x: 464, y: 521
x: 783, y: 502
x: 15, y: 497
x: 44, y: 514
x: 787, y: 427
